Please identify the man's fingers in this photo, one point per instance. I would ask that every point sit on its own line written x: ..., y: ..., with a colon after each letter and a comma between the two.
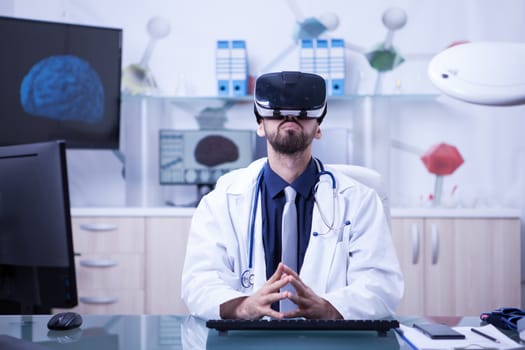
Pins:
x: 296, y: 299
x: 274, y: 297
x: 277, y: 274
x: 274, y: 314
x: 293, y: 314
x: 278, y: 284
x: 288, y: 271
x: 299, y: 286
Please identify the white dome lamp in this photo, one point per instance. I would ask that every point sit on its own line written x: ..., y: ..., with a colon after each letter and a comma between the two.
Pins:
x: 485, y: 73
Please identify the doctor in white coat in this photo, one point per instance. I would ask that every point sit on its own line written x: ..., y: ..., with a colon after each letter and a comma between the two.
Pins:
x: 350, y: 268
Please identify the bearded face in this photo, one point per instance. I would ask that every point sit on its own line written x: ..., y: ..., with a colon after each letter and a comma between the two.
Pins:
x: 290, y: 140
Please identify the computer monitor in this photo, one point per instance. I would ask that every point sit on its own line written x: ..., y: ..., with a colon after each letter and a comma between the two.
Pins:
x: 200, y: 157
x: 60, y: 81
x: 37, y: 267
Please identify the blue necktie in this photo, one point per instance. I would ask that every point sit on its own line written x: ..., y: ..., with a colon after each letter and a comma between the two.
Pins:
x: 289, y: 242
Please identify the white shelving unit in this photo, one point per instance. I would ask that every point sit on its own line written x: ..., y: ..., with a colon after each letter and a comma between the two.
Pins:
x: 367, y: 117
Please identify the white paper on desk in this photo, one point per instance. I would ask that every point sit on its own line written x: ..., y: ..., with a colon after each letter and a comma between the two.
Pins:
x: 471, y: 341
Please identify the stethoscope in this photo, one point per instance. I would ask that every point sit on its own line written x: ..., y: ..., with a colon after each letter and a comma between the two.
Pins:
x: 247, y: 277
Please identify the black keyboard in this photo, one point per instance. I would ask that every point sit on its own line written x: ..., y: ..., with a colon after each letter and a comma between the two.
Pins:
x: 381, y: 326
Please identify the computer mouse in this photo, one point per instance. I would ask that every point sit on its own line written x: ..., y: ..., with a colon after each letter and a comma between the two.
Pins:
x: 64, y: 321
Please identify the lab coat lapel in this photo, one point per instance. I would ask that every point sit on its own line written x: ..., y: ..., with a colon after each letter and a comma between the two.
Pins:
x: 258, y: 252
x: 239, y: 213
x: 317, y: 262
x: 241, y: 204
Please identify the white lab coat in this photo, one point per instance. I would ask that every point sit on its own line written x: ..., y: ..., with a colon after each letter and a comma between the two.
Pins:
x: 354, y: 266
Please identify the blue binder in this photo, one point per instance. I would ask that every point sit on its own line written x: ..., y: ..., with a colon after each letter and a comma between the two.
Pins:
x: 222, y: 67
x: 239, y: 68
x: 325, y: 57
x: 337, y: 67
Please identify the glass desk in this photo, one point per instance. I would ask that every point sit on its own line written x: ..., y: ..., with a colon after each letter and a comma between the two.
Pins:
x: 152, y: 332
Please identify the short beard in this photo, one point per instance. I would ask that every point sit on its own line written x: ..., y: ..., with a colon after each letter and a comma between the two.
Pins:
x: 289, y: 142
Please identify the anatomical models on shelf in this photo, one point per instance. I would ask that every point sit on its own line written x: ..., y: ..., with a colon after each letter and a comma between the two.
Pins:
x: 138, y: 78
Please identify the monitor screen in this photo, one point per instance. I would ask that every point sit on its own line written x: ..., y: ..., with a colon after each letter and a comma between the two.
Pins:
x: 200, y: 157
x: 37, y: 268
x: 59, y: 82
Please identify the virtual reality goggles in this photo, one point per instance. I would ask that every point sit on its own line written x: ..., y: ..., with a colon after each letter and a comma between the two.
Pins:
x: 297, y: 94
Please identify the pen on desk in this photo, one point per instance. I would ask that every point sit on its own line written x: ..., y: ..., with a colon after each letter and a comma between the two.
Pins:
x: 484, y: 335
x: 402, y: 335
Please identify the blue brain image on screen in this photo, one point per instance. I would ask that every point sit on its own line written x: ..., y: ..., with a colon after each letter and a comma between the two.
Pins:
x: 63, y: 88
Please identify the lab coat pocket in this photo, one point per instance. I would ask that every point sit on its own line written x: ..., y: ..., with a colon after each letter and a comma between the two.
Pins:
x: 337, y: 278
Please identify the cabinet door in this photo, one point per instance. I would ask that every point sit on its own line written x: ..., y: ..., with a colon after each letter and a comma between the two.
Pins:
x: 504, y: 264
x: 110, y: 268
x: 440, y: 267
x: 458, y: 266
x: 166, y: 249
x: 408, y: 240
x: 472, y: 265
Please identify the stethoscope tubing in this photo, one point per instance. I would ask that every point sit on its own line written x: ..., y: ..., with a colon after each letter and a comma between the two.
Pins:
x: 254, y: 214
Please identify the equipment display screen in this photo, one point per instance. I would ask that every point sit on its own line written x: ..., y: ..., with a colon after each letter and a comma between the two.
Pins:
x: 202, y: 156
x: 59, y: 81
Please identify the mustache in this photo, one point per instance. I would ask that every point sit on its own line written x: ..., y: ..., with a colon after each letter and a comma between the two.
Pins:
x: 290, y: 120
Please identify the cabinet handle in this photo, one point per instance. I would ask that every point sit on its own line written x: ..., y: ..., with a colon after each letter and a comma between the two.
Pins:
x: 98, y: 300
x: 415, y: 244
x: 96, y: 227
x: 435, y: 243
x: 98, y: 263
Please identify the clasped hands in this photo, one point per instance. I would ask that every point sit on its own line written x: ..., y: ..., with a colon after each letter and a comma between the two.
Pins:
x: 257, y: 305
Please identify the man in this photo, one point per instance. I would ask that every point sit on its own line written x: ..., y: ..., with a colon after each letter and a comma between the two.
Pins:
x: 343, y: 261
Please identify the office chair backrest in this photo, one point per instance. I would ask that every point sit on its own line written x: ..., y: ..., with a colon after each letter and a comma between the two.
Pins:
x: 367, y: 177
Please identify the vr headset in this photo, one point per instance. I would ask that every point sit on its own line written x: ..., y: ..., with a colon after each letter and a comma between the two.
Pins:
x: 302, y: 95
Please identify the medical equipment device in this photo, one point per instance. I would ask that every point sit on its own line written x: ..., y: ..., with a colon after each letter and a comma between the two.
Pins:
x: 200, y: 157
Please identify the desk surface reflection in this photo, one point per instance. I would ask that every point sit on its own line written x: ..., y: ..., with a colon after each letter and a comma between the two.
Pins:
x: 151, y: 332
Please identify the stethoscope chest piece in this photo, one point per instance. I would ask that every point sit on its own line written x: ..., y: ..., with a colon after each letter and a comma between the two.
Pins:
x: 247, y: 278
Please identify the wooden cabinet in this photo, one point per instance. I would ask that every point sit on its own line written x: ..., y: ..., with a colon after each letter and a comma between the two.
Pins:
x: 110, y: 264
x: 458, y: 266
x: 132, y: 264
x: 166, y: 239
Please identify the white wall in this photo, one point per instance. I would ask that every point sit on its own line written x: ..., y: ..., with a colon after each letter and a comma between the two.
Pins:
x: 489, y: 138
x: 184, y: 62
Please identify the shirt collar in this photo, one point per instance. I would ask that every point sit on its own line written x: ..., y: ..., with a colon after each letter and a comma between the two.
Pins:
x: 302, y: 185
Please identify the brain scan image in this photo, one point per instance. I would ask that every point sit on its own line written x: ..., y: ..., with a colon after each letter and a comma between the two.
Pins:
x: 213, y: 150
x: 63, y: 87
